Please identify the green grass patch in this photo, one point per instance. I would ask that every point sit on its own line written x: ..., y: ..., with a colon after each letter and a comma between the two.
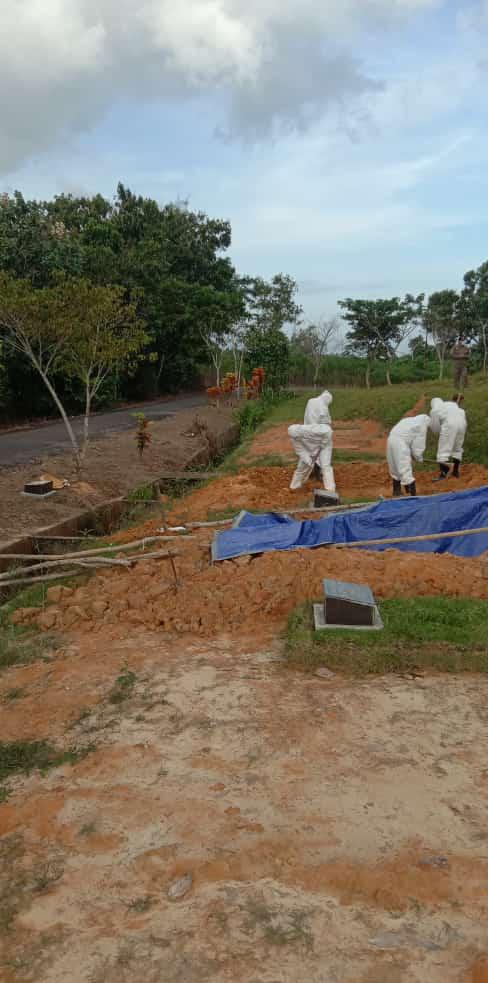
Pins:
x: 18, y: 650
x: 23, y: 757
x: 443, y: 633
x: 123, y: 686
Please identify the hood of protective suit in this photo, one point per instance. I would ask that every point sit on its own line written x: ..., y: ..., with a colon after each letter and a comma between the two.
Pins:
x: 326, y: 397
x: 436, y: 404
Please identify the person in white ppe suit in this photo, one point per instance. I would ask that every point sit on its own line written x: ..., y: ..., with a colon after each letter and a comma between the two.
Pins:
x: 407, y: 440
x: 313, y: 445
x: 448, y: 419
x: 317, y: 412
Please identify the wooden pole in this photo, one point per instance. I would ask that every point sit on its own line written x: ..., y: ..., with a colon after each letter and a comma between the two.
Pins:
x: 310, y: 508
x: 85, y: 564
x: 115, y: 548
x: 409, y: 539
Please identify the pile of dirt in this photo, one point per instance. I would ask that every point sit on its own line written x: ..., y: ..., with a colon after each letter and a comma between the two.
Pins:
x: 268, y: 488
x: 246, y: 593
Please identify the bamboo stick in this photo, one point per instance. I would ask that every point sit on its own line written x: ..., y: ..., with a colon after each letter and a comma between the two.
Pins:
x: 37, y: 580
x: 409, y: 539
x: 309, y: 508
x: 86, y: 564
x: 49, y: 565
x: 115, y: 548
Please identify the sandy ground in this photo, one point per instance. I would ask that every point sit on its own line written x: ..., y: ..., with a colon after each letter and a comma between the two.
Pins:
x: 112, y: 468
x: 332, y: 831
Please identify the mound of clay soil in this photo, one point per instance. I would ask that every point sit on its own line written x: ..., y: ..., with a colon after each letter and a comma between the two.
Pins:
x: 247, y: 593
x: 262, y: 489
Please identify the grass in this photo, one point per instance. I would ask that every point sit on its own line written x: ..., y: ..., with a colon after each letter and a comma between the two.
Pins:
x: 22, y: 757
x: 19, y: 648
x: 20, y: 645
x: 123, y: 686
x: 279, y: 928
x: 442, y: 633
x: 140, y: 905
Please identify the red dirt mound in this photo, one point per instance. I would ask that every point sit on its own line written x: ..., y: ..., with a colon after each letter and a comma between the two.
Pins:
x: 247, y: 593
x: 268, y: 488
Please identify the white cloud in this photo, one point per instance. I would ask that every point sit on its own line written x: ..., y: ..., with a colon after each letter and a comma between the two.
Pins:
x: 64, y: 62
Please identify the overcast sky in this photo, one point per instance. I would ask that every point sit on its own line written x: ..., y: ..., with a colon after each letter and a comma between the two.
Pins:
x: 346, y: 140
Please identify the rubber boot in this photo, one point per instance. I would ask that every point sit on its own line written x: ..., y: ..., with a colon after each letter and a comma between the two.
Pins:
x: 455, y: 470
x: 411, y: 489
x: 443, y: 472
x: 317, y: 473
x: 397, y: 488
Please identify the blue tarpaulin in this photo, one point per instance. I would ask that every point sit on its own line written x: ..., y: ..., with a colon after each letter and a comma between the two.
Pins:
x: 389, y: 518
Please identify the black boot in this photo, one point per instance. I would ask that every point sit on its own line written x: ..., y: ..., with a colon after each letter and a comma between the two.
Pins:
x: 411, y: 489
x: 397, y: 488
x: 443, y: 472
x: 455, y: 470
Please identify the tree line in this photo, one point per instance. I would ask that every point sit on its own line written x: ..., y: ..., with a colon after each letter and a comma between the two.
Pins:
x: 122, y: 300
x: 377, y: 330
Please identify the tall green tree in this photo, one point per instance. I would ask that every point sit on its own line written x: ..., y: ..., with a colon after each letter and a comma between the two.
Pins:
x: 441, y: 318
x: 378, y: 327
x: 269, y: 348
x: 473, y: 306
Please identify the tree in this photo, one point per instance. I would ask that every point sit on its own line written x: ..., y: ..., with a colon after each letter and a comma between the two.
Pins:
x: 378, y: 328
x: 270, y: 304
x: 314, y: 340
x: 74, y: 328
x: 30, y: 326
x: 107, y: 333
x: 474, y: 309
x: 269, y: 348
x: 441, y: 322
x: 170, y: 255
x: 238, y: 341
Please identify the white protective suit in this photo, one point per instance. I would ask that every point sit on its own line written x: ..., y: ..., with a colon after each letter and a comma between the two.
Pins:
x: 449, y: 421
x: 317, y: 410
x: 407, y: 440
x: 313, y: 445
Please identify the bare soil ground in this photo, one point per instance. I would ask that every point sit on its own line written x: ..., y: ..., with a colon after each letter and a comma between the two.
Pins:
x: 334, y: 830
x: 112, y: 468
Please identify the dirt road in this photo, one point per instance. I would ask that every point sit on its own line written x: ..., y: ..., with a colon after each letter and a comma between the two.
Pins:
x: 24, y: 446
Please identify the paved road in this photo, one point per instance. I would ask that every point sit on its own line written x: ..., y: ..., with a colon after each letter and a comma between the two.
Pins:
x: 25, y: 446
